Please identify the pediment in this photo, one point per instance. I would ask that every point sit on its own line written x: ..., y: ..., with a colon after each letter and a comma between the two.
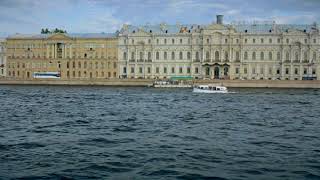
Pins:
x: 59, y: 37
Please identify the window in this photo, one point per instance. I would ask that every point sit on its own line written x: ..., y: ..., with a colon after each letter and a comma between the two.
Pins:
x: 149, y: 55
x: 189, y: 55
x: 254, y: 56
x: 245, y: 55
x: 279, y: 40
x: 132, y: 69
x: 287, y: 56
x: 226, y: 40
x: 196, y: 70
x: 305, y: 71
x: 296, y: 71
x: 149, y: 70
x: 157, y: 55
x: 140, y: 70
x: 245, y: 40
x: 262, y: 41
x: 208, y: 41
x: 173, y: 56
x: 297, y: 56
x: 165, y: 70
x: 197, y: 56
x: 157, y: 41
x: 188, y: 70
x: 216, y: 55
x: 270, y: 40
x: 237, y: 41
x: 141, y: 55
x: 305, y: 56
x: 172, y: 41
x: 207, y: 55
x: 132, y: 41
x: 245, y: 70
x: 278, y: 56
x: 254, y: 71
x: 124, y: 70
x: 237, y: 56
x: 165, y: 41
x: 132, y: 56
x: 270, y: 55
x: 305, y: 41
x: 314, y: 41
x: 165, y: 56
x: 314, y: 56
x: 180, y: 41
x: 157, y: 70
x: 180, y: 55
x: 262, y: 55
x: 226, y: 56
x: 237, y: 70
x: 287, y: 40
x: 253, y: 40
x: 287, y: 70
x: 313, y: 71
x: 172, y: 70
x: 149, y: 41
x: 125, y: 56
x: 180, y: 70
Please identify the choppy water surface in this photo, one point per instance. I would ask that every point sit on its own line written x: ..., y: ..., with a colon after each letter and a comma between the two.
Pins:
x: 50, y: 132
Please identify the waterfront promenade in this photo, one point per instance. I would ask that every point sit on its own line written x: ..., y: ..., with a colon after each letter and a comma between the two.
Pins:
x: 146, y: 82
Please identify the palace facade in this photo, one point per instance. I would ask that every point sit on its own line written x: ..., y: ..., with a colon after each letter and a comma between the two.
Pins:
x: 218, y: 51
x: 66, y: 56
x: 2, y: 58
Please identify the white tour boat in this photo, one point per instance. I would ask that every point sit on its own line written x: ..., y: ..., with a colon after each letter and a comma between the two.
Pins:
x: 211, y: 88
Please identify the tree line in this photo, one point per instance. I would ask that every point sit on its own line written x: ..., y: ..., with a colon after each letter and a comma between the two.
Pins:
x: 53, y: 31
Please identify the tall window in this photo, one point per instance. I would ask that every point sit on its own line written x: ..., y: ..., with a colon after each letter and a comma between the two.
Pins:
x: 180, y: 56
x: 165, y: 41
x: 173, y: 56
x: 125, y: 55
x: 149, y: 55
x: 245, y: 55
x: 157, y: 55
x: 305, y: 56
x: 278, y: 56
x: 270, y: 55
x: 165, y: 56
x: 254, y: 56
x: 197, y: 56
x: 172, y: 41
x: 141, y: 55
x: 189, y: 55
x: 262, y: 55
x: 216, y: 55
x: 314, y: 56
x: 287, y: 56
x: 207, y: 55
x: 237, y: 56
x: 132, y: 56
x: 296, y: 56
x: 226, y: 56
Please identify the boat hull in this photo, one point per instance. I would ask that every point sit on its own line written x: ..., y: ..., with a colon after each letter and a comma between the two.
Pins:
x: 196, y: 90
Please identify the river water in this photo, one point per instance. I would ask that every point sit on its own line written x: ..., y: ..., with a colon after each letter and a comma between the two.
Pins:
x: 74, y: 132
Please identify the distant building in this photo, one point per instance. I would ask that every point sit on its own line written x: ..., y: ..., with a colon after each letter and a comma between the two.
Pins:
x: 65, y: 56
x: 2, y: 57
x: 219, y: 51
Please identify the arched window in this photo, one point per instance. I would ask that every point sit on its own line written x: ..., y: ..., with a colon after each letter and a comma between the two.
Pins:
x: 270, y: 55
x: 254, y: 56
x: 262, y: 55
x: 245, y: 55
x: 207, y: 55
x: 149, y: 55
x: 305, y: 56
x: 278, y: 56
x: 141, y: 55
x: 197, y: 56
x: 296, y: 56
x: 157, y: 55
x: 165, y: 56
x: 173, y: 56
x: 287, y: 56
x: 180, y: 55
x: 132, y: 56
x: 216, y: 55
x: 125, y: 55
x: 189, y: 55
x: 237, y: 56
x: 226, y: 56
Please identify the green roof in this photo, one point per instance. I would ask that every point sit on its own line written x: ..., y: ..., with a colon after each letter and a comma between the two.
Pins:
x: 181, y: 78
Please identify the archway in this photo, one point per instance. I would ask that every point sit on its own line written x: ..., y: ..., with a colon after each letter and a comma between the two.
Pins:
x: 216, y: 73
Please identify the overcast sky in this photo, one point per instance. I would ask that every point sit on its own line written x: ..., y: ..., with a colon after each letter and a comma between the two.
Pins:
x: 82, y: 16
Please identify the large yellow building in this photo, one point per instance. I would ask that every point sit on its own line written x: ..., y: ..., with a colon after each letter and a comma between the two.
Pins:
x: 64, y: 56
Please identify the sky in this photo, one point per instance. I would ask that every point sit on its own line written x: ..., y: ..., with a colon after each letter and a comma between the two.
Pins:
x: 96, y: 16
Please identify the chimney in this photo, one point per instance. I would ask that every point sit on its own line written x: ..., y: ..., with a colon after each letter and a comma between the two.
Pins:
x: 219, y: 19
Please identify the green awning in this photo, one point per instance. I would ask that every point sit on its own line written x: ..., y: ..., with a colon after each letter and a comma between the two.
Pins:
x: 181, y: 78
